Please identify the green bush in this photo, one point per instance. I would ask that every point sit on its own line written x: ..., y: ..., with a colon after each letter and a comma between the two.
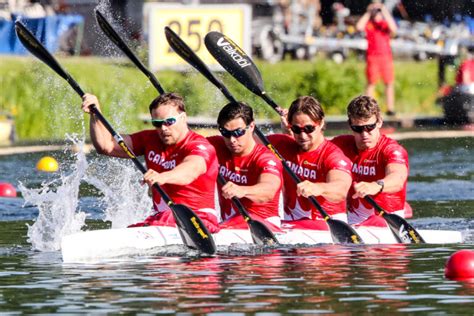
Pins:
x: 46, y: 108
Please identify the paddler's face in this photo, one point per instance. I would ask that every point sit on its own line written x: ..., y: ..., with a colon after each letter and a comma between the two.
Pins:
x: 366, y: 132
x: 173, y: 123
x: 239, y: 138
x: 307, y: 133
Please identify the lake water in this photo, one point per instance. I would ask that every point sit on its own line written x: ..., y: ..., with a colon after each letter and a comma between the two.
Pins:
x: 324, y: 279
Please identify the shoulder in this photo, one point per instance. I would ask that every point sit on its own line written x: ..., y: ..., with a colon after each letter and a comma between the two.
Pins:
x: 264, y: 158
x: 280, y: 138
x: 144, y: 135
x: 199, y: 142
x: 342, y: 141
x: 391, y: 148
x: 216, y: 140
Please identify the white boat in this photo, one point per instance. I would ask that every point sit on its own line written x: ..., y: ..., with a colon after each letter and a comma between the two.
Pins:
x: 112, y: 243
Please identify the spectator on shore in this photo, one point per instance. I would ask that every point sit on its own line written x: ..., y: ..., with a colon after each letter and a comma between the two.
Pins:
x: 465, y: 73
x: 379, y: 25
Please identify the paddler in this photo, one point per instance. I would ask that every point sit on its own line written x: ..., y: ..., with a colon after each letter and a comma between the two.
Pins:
x: 380, y: 165
x: 182, y: 162
x: 324, y: 170
x: 252, y: 172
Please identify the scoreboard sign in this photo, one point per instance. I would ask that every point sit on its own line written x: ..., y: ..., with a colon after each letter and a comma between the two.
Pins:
x: 192, y: 23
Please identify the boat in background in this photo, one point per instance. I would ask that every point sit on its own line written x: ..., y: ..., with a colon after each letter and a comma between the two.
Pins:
x: 96, y: 245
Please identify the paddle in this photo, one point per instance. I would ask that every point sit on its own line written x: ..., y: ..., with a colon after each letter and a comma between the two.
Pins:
x: 239, y: 65
x: 261, y: 234
x: 115, y: 38
x: 401, y: 229
x: 192, y: 230
x: 340, y: 231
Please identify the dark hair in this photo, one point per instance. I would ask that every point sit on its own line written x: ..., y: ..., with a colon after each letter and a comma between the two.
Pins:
x: 306, y: 105
x: 234, y: 110
x: 363, y: 107
x: 165, y: 98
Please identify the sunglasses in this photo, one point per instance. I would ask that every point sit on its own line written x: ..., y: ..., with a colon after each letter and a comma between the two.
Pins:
x: 360, y: 128
x: 236, y: 132
x: 167, y: 121
x: 308, y: 129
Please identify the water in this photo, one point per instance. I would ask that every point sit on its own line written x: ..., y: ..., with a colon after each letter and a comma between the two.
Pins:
x: 324, y: 279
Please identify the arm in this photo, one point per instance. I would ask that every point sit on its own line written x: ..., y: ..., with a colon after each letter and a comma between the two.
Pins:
x: 392, y: 25
x: 334, y: 189
x: 395, y: 177
x: 360, y: 25
x: 101, y: 138
x: 186, y: 172
x: 265, y: 189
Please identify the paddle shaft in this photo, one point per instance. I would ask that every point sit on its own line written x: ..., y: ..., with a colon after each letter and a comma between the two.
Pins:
x: 117, y: 40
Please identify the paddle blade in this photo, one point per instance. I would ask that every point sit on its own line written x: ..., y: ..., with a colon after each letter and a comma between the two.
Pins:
x: 342, y: 233
x: 193, y: 231
x: 402, y: 230
x: 37, y: 49
x: 261, y: 234
x: 235, y: 61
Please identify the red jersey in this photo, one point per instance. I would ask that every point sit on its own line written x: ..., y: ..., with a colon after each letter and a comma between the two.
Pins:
x: 312, y: 166
x: 368, y: 166
x: 378, y: 38
x: 466, y: 66
x: 245, y: 170
x: 199, y: 194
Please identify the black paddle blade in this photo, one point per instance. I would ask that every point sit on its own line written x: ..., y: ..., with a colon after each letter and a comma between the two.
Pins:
x: 261, y: 234
x: 342, y: 233
x: 402, y: 230
x: 235, y: 61
x: 187, y: 221
x: 120, y: 43
x: 37, y: 49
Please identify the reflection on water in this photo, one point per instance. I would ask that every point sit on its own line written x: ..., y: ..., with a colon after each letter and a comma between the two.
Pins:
x: 304, y: 280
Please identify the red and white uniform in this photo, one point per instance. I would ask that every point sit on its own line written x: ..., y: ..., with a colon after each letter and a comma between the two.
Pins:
x: 199, y: 194
x: 312, y: 166
x: 245, y: 171
x: 369, y: 166
x: 379, y: 52
x: 466, y: 67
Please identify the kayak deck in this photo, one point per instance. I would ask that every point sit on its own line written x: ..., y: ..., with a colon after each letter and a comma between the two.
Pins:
x: 112, y: 243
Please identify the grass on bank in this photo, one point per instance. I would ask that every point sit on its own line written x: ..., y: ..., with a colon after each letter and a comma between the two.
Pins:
x: 46, y: 108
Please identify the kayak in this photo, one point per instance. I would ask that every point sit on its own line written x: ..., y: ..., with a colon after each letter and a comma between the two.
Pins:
x: 123, y: 242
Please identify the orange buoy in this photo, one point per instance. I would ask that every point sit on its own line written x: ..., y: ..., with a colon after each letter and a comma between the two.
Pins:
x: 47, y: 164
x: 7, y: 190
x: 460, y: 265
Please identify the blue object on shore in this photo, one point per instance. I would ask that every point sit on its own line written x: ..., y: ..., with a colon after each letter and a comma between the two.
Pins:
x: 48, y: 30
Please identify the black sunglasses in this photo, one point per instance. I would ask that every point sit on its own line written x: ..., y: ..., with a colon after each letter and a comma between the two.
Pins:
x: 308, y: 129
x: 360, y: 128
x: 236, y: 132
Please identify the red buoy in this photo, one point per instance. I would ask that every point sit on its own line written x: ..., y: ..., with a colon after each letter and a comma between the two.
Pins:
x: 460, y: 266
x: 7, y: 190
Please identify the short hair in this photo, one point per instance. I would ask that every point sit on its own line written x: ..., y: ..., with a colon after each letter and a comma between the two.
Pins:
x: 235, y: 110
x: 168, y: 98
x: 363, y: 107
x: 306, y: 105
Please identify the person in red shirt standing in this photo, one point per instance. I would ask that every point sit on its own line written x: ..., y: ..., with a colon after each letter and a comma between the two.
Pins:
x: 379, y: 164
x: 465, y: 73
x: 379, y: 25
x: 252, y: 172
x: 324, y: 170
x: 181, y: 161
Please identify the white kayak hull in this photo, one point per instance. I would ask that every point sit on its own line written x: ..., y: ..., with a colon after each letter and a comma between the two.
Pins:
x: 112, y: 243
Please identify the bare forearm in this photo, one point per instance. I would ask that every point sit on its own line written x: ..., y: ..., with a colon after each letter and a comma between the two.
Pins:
x: 360, y: 26
x: 334, y: 192
x: 100, y: 136
x: 260, y: 193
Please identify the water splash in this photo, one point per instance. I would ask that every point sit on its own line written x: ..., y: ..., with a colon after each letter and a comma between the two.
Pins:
x: 125, y: 200
x: 57, y: 202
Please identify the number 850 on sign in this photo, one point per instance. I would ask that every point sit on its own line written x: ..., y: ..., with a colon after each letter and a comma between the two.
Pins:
x: 192, y: 23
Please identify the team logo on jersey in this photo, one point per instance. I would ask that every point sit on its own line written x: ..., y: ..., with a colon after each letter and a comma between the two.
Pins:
x: 306, y: 162
x: 161, y: 161
x: 232, y: 176
x: 302, y: 171
x: 272, y: 163
x: 363, y: 170
x: 202, y: 147
x: 343, y: 163
x: 370, y: 161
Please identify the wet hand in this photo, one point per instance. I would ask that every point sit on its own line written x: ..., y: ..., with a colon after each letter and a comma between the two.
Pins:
x: 151, y: 177
x: 365, y: 188
x: 87, y: 100
x: 230, y: 190
x: 307, y: 189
